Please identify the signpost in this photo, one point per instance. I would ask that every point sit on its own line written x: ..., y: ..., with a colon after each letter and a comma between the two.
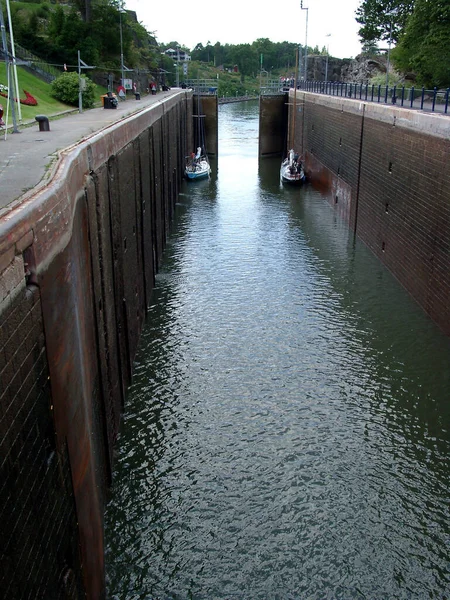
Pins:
x: 82, y: 82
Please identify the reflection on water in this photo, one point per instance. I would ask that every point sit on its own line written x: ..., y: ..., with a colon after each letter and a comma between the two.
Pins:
x: 287, y: 431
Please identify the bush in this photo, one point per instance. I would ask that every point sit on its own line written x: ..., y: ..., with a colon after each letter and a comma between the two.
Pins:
x: 66, y: 89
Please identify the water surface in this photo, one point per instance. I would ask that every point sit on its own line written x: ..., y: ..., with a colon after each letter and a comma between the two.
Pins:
x: 286, y: 435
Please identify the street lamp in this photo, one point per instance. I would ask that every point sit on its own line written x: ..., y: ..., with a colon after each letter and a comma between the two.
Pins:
x: 326, y: 65
x: 390, y: 15
x: 388, y: 54
x: 121, y: 41
x: 178, y: 65
x: 306, y: 39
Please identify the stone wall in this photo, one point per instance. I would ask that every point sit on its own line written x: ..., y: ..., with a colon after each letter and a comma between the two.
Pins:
x: 385, y: 170
x: 77, y: 267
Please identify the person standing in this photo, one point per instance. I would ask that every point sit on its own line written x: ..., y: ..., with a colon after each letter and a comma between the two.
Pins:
x: 121, y: 92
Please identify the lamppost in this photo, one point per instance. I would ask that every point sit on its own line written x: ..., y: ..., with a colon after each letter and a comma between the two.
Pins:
x: 121, y: 42
x: 390, y: 15
x: 178, y: 66
x: 389, y: 52
x: 306, y: 39
x: 326, y: 65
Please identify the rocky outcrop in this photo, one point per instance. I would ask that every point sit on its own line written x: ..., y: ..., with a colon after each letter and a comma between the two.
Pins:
x: 362, y: 68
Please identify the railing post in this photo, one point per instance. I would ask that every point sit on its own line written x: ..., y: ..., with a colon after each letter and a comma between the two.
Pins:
x: 394, y: 95
x: 446, y: 100
x: 422, y: 99
x: 367, y: 90
x: 411, y: 97
x: 379, y: 93
x: 434, y: 99
x: 373, y: 88
x: 403, y: 94
x: 386, y: 94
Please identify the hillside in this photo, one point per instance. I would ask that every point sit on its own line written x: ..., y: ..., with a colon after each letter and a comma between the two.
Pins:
x: 41, y: 91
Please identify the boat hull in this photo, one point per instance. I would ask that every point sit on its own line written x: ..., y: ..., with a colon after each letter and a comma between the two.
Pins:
x: 292, y: 178
x: 200, y: 171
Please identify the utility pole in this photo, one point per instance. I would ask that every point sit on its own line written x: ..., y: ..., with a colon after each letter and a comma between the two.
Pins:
x: 11, y: 91
x: 306, y: 39
x: 326, y: 65
x: 389, y: 14
x: 81, y: 82
x: 121, y: 41
x: 389, y: 51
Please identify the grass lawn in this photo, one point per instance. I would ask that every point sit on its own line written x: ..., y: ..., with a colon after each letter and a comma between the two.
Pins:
x: 41, y: 91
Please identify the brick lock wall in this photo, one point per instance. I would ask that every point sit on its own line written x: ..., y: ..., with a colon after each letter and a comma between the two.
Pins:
x: 332, y: 141
x: 68, y: 340
x: 39, y: 537
x: 404, y: 211
x: 385, y: 169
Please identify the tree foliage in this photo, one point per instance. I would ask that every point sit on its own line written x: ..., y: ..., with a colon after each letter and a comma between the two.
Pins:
x: 420, y: 30
x: 249, y: 58
x: 381, y: 19
x: 67, y: 86
x: 424, y: 46
x: 92, y: 27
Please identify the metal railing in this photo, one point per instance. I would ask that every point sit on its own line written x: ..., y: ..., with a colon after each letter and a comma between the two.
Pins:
x: 271, y: 87
x: 36, y: 64
x: 434, y: 100
x: 206, y: 87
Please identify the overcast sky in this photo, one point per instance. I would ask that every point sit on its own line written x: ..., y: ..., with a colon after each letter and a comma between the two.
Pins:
x: 244, y: 21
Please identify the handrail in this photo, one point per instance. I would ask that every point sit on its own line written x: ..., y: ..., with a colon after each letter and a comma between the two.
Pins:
x: 435, y: 100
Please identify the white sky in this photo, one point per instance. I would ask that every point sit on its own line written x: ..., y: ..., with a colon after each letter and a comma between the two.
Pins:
x: 244, y: 21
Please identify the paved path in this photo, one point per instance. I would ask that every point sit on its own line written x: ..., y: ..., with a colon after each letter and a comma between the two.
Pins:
x: 26, y: 156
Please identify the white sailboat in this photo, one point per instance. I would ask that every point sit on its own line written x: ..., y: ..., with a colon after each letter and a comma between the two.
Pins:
x: 292, y: 169
x: 197, y: 164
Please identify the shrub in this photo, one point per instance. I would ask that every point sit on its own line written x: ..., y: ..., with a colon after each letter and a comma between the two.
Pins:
x: 65, y: 88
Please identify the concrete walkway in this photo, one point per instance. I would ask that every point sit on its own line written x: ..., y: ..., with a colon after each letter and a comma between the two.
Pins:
x: 25, y: 157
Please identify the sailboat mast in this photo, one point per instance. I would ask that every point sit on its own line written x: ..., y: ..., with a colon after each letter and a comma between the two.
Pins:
x: 294, y: 107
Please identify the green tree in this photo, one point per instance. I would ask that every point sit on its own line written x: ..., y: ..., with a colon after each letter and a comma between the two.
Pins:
x: 379, y: 19
x: 424, y: 47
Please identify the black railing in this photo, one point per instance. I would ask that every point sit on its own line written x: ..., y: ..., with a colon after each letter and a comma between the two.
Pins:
x: 434, y: 100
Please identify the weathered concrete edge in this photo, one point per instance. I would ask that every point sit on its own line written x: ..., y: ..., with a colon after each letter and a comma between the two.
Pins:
x: 422, y: 122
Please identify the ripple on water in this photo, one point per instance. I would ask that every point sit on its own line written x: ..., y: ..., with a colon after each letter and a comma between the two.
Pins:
x: 286, y: 434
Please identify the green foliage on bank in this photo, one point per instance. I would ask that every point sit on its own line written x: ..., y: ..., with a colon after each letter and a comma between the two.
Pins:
x: 66, y: 88
x: 424, y: 46
x: 420, y: 32
x: 47, y: 104
x: 56, y: 32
